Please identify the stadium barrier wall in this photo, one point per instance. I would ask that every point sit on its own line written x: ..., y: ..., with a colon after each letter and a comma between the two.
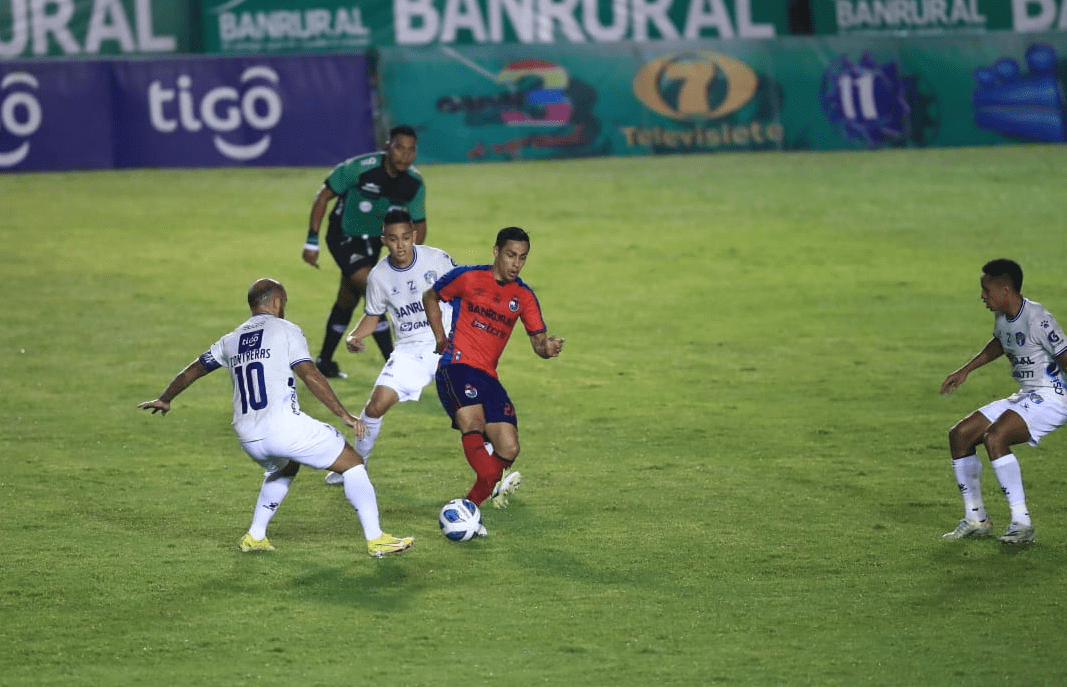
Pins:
x: 184, y: 112
x: 796, y: 93
x: 844, y: 17
x: 37, y: 29
x: 315, y: 25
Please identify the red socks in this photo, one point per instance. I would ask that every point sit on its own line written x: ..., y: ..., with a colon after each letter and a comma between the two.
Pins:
x: 488, y: 467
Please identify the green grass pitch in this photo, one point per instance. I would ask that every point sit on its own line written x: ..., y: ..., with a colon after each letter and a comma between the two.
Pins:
x: 737, y: 473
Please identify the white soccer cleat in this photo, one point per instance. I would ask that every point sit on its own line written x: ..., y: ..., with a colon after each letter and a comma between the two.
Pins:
x: 970, y: 529
x: 504, y: 488
x: 1017, y: 533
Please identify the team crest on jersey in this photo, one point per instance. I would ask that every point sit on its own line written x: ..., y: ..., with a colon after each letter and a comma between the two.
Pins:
x: 396, y: 291
x: 1036, y: 397
x: 470, y: 392
x: 1020, y: 339
x: 430, y: 276
x: 250, y: 341
x: 366, y: 206
x: 513, y: 306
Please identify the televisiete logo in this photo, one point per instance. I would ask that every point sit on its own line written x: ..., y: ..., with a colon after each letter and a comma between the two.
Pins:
x: 695, y: 86
x: 20, y: 114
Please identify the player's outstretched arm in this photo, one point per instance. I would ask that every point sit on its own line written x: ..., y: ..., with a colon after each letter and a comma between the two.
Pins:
x: 192, y: 372
x: 318, y: 210
x: 433, y: 316
x: 321, y: 389
x: 363, y: 329
x: 988, y: 354
x: 547, y: 346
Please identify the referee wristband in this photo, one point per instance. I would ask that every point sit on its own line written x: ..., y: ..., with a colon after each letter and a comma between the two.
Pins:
x: 311, y: 246
x: 312, y: 242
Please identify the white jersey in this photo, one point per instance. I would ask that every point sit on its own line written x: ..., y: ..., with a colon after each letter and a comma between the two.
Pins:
x: 1031, y: 341
x: 260, y: 355
x: 399, y: 290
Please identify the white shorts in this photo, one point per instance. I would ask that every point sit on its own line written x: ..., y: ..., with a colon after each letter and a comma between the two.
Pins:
x: 408, y: 371
x: 1041, y: 415
x: 301, y: 438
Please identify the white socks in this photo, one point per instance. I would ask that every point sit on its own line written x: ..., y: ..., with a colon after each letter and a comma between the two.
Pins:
x: 968, y: 476
x: 360, y: 493
x: 271, y: 495
x: 1011, y: 481
x: 358, y: 490
x: 365, y: 445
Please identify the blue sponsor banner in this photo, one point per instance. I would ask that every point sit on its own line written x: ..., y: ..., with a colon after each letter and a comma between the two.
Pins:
x: 184, y: 112
x: 55, y: 116
x: 284, y: 110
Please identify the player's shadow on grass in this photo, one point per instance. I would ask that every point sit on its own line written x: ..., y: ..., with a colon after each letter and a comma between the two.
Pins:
x: 993, y: 567
x: 598, y: 565
x: 379, y: 585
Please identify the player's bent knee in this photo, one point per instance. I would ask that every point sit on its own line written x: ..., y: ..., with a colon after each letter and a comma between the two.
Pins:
x: 290, y: 470
x: 996, y: 443
x: 348, y: 459
x: 507, y: 453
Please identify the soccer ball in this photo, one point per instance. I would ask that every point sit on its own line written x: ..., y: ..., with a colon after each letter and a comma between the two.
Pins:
x: 460, y: 520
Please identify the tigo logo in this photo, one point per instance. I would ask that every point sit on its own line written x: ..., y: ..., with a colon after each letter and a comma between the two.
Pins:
x: 20, y: 114
x: 222, y: 110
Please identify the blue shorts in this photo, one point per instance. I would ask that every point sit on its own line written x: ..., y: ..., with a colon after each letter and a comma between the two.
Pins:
x: 461, y: 385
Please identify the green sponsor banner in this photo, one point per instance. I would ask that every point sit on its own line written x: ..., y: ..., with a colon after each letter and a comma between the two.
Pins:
x: 475, y: 103
x: 332, y: 25
x: 894, y: 17
x: 528, y: 102
x: 267, y: 26
x: 64, y: 28
x: 465, y: 22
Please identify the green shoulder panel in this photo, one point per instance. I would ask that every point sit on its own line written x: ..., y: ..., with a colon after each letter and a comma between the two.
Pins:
x: 346, y: 175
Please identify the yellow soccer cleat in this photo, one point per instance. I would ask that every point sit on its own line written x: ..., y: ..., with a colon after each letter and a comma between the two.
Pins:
x: 505, y: 488
x: 249, y: 544
x: 387, y: 543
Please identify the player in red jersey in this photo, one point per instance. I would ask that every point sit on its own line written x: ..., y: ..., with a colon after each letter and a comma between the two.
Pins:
x: 487, y: 301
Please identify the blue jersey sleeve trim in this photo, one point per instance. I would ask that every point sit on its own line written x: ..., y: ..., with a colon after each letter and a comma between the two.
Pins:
x: 457, y: 272
x: 297, y: 362
x: 526, y: 286
x: 209, y: 362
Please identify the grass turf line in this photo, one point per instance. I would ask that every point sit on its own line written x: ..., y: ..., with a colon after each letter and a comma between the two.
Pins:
x: 737, y: 473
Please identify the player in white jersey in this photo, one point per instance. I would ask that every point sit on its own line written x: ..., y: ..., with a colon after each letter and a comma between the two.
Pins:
x: 1036, y: 346
x: 396, y: 284
x: 262, y: 356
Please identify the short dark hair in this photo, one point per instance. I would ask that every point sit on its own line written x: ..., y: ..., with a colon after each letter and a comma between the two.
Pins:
x: 262, y: 291
x: 511, y: 234
x: 1003, y: 267
x: 402, y: 130
x: 397, y: 216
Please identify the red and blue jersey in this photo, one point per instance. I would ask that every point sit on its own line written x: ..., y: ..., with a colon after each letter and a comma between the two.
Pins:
x: 484, y: 312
